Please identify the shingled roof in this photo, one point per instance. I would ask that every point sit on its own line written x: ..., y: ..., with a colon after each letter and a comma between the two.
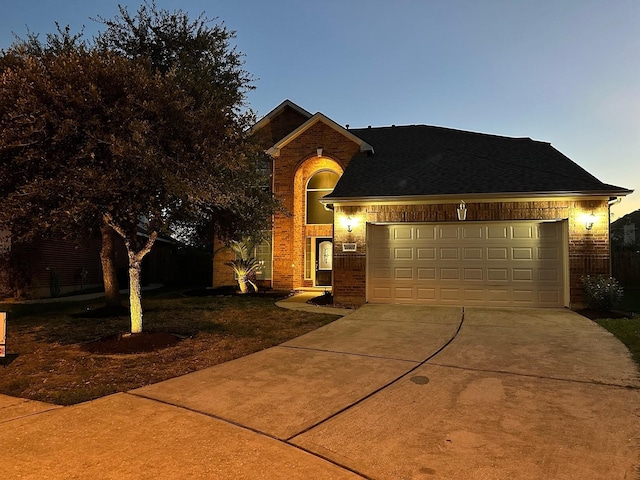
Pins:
x: 420, y: 160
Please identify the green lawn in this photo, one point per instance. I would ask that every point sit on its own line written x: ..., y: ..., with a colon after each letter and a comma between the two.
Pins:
x: 627, y: 330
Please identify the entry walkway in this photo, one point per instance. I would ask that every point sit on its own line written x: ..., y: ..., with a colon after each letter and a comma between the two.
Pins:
x: 386, y: 392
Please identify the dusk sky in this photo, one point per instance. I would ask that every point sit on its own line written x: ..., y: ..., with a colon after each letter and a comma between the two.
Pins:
x: 562, y: 71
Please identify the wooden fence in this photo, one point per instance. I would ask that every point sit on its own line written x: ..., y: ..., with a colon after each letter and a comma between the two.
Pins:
x: 625, y: 267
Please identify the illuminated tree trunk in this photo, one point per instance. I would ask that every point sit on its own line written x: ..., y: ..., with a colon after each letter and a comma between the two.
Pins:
x: 135, y: 304
x: 109, y: 274
x: 135, y: 269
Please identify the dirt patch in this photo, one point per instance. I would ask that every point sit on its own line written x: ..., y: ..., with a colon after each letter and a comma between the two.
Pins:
x: 128, y: 343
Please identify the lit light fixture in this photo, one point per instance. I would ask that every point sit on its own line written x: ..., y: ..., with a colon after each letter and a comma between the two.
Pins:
x: 349, y: 223
x: 462, y: 210
x: 589, y: 220
x: 319, y: 151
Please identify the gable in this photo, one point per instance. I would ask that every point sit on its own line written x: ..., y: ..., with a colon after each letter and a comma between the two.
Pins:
x: 420, y: 160
x: 279, y: 122
x: 316, y: 119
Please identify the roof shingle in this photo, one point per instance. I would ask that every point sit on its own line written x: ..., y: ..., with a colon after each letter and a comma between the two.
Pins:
x: 420, y: 160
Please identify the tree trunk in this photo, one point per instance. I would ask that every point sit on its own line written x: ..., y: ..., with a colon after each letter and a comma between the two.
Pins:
x: 135, y: 304
x: 109, y: 274
x: 242, y: 283
x: 135, y: 267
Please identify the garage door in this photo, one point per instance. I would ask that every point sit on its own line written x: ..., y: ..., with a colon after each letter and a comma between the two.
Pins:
x: 501, y: 264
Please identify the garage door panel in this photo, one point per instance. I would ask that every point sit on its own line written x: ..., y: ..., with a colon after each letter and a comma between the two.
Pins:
x: 473, y: 232
x: 498, y: 295
x: 522, y: 274
x: 549, y: 231
x: 403, y: 253
x: 524, y: 297
x: 450, y: 294
x: 522, y: 253
x: 517, y: 263
x: 549, y: 275
x: 449, y: 232
x: 474, y: 274
x: 426, y: 293
x: 425, y: 253
x: 473, y: 295
x: 403, y: 293
x: 381, y: 273
x: 472, y: 253
x: 448, y: 253
x: 497, y: 253
x: 497, y: 232
x: 378, y: 253
x: 449, y: 274
x: 551, y: 253
x: 426, y: 232
x: 522, y: 232
x: 426, y: 273
x: 403, y: 233
x: 403, y: 273
x: 549, y: 297
x: 497, y: 274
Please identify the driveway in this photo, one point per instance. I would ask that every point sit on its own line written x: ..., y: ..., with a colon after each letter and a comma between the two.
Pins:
x: 386, y: 392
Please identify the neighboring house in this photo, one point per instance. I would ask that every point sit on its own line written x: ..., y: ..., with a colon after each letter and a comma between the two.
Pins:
x: 625, y: 246
x: 428, y: 215
x: 625, y: 232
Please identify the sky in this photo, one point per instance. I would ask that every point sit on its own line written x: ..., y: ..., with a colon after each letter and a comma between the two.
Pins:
x: 565, y: 72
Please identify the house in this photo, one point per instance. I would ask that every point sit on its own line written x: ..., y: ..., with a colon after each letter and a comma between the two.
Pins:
x: 625, y: 250
x: 428, y: 215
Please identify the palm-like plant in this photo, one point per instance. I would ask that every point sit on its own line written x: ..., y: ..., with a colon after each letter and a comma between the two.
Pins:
x: 244, y: 264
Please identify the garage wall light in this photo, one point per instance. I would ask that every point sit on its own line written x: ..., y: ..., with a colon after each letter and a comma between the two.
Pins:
x: 462, y: 210
x: 589, y: 220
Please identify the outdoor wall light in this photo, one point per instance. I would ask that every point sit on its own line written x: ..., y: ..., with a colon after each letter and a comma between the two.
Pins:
x: 349, y: 223
x: 462, y: 210
x: 319, y: 151
x: 589, y: 220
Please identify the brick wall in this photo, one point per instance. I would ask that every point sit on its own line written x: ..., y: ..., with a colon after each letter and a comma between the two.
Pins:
x: 298, y: 161
x: 281, y: 126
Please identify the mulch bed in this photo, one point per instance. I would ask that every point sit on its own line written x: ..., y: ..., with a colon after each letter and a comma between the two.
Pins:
x: 229, y: 291
x: 128, y: 343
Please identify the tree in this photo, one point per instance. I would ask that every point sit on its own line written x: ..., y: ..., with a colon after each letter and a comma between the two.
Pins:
x: 60, y: 42
x: 207, y: 67
x: 244, y: 264
x: 93, y: 134
x: 146, y: 125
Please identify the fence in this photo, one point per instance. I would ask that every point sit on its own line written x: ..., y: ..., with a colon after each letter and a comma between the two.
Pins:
x: 625, y: 267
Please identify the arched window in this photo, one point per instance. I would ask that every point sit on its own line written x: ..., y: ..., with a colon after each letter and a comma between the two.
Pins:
x: 320, y: 184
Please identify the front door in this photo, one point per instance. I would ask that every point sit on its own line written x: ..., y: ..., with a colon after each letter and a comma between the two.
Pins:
x: 324, y: 262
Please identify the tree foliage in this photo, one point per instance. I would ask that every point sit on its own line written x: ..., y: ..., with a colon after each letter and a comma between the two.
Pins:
x: 142, y: 131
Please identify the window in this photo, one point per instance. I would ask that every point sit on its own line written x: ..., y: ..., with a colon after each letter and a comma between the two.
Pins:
x: 263, y: 254
x: 320, y: 184
x: 307, y: 259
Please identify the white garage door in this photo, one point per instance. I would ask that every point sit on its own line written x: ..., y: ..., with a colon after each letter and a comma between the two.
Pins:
x: 502, y: 263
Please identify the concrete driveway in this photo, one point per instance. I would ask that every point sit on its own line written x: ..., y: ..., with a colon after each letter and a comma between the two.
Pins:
x: 387, y: 392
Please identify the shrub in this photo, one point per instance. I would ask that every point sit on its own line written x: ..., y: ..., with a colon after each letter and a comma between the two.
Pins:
x: 601, y: 292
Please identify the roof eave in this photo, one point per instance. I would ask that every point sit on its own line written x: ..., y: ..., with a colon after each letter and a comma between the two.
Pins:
x: 456, y: 197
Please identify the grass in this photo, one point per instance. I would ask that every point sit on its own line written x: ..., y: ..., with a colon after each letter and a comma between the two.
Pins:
x: 48, y: 363
x: 627, y: 330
